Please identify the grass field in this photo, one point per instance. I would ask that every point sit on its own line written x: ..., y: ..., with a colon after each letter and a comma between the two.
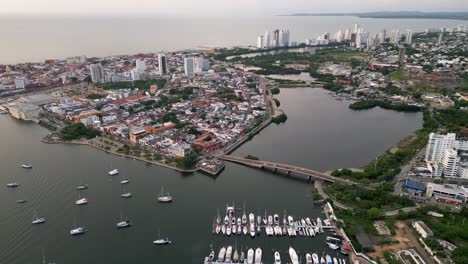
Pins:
x: 343, y: 55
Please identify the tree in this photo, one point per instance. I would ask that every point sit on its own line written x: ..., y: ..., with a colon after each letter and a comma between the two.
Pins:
x: 374, y: 213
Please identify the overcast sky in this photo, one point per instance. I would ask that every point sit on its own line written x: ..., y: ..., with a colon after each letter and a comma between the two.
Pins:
x: 234, y: 7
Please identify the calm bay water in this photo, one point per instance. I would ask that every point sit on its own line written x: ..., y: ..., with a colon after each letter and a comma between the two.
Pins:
x: 29, y: 39
x: 321, y: 133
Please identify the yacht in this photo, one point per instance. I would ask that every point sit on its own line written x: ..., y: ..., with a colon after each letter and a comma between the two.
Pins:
x: 228, y: 259
x: 82, y: 187
x: 113, y: 172
x: 308, y: 258
x: 290, y: 221
x: 239, y: 229
x: 222, y: 253
x: 78, y: 231
x: 308, y: 222
x: 12, y: 185
x: 226, y: 220
x: 124, y: 181
x: 26, y: 166
x: 252, y: 225
x: 123, y: 223
x: 315, y: 258
x: 239, y: 221
x: 258, y: 256
x: 328, y: 259
x: 277, y: 258
x: 293, y: 256
x: 235, y: 257
x: 161, y: 241
x: 233, y: 220
x: 335, y: 261
x: 164, y: 198
x: 250, y: 256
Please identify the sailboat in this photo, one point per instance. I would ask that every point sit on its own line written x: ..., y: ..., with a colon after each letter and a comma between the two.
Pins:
x: 125, y: 181
x: 293, y: 256
x: 126, y: 194
x: 265, y: 219
x: 12, y: 185
x: 81, y: 201
x: 218, y: 218
x: 244, y: 216
x: 113, y: 172
x: 123, y: 223
x: 164, y: 198
x: 26, y: 166
x: 78, y: 230
x: 258, y: 256
x: 82, y: 187
x: 277, y: 258
x: 37, y: 220
x: 161, y: 241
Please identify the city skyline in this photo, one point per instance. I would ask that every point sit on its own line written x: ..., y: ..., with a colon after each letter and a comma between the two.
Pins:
x: 242, y: 7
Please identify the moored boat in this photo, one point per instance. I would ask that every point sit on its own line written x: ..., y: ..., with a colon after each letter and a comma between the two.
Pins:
x: 164, y: 197
x: 277, y: 258
x: 258, y: 256
x: 78, y: 231
x: 328, y: 259
x: 26, y: 166
x: 113, y: 172
x: 293, y: 256
x: 221, y: 254
x: 250, y: 256
x: 315, y: 258
x: 228, y: 259
x: 308, y: 258
x: 12, y: 185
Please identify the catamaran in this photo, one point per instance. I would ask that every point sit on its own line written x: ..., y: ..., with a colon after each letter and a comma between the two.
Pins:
x: 293, y: 256
x: 164, y: 198
x: 258, y: 256
x: 277, y: 258
x: 161, y: 241
x: 250, y: 256
x: 26, y: 166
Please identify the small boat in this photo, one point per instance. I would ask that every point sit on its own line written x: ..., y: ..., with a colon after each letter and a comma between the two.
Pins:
x: 265, y: 219
x: 81, y: 201
x: 223, y: 229
x: 161, y: 241
x: 308, y: 258
x: 239, y: 229
x: 315, y: 258
x: 250, y: 256
x: 252, y: 225
x: 276, y: 219
x: 123, y: 223
x: 113, y: 172
x: 164, y: 198
x: 234, y: 229
x: 78, y: 231
x: 38, y: 220
x: 277, y: 258
x: 242, y: 257
x: 82, y: 187
x: 333, y: 245
x: 290, y: 221
x: 308, y: 222
x: 335, y: 261
x: 239, y: 221
x: 259, y: 220
x: 218, y: 218
x: 20, y: 201
x: 221, y: 254
x: 328, y: 259
x: 124, y: 181
x: 293, y: 256
x: 322, y: 261
x: 126, y: 194
x: 228, y: 230
x: 211, y: 256
x: 218, y: 229
x: 233, y: 220
x: 270, y: 220
x: 12, y: 185
x: 26, y: 166
x: 245, y: 230
x: 228, y: 255
x: 258, y: 256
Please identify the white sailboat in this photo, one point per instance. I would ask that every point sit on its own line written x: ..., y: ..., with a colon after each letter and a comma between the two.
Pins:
x: 161, y: 241
x: 315, y: 258
x: 81, y: 201
x: 293, y: 256
x: 308, y: 258
x: 123, y: 223
x: 250, y: 256
x: 126, y: 194
x: 78, y: 230
x: 258, y: 256
x: 26, y: 166
x: 277, y: 258
x: 221, y: 254
x: 164, y: 198
x: 37, y: 220
x: 252, y: 224
x: 12, y: 185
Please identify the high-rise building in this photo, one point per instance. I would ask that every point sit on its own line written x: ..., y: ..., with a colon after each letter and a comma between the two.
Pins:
x: 450, y: 162
x: 20, y: 82
x: 266, y: 40
x: 283, y: 38
x: 260, y: 42
x: 140, y: 65
x: 275, y: 41
x: 382, y: 36
x: 395, y: 37
x: 200, y: 65
x: 437, y: 145
x: 347, y: 34
x: 409, y: 37
x: 188, y: 67
x: 440, y: 39
x: 401, y: 55
x: 356, y: 28
x: 97, y: 73
x: 162, y: 61
x: 359, y: 40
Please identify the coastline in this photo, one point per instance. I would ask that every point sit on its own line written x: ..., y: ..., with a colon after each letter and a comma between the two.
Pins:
x: 84, y: 143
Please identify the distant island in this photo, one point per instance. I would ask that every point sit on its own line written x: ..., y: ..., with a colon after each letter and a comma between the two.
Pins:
x: 395, y: 15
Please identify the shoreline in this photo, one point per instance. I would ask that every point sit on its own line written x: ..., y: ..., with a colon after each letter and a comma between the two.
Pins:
x: 81, y: 143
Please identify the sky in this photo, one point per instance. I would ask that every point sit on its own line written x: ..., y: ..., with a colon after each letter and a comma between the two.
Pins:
x: 222, y: 7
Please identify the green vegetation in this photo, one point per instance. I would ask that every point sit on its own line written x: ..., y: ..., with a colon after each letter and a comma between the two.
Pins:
x: 277, y: 102
x: 275, y: 90
x: 390, y: 258
x: 78, y: 131
x: 279, y: 119
x: 398, y: 75
x: 187, y: 162
x: 369, y: 104
x: 95, y: 96
x: 342, y: 55
x: 454, y: 120
x: 251, y: 157
x: 142, y: 85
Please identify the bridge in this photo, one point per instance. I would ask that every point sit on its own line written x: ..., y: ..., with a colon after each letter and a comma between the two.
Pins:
x: 310, y: 174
